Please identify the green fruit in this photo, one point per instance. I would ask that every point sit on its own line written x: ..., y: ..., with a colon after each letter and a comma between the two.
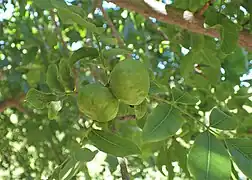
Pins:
x: 130, y: 82
x: 97, y: 102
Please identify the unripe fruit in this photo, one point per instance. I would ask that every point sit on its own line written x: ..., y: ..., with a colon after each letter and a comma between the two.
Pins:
x: 97, y: 102
x: 130, y: 82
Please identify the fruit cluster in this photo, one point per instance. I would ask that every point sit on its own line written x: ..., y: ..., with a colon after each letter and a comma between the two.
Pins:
x: 129, y: 83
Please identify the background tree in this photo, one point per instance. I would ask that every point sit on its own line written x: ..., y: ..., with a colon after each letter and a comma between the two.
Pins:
x: 195, y: 122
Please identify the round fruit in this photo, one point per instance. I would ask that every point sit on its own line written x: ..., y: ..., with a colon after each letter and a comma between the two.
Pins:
x: 97, y: 102
x: 130, y: 82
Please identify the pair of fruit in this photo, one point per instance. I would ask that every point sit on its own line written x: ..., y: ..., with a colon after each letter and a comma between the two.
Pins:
x: 129, y: 83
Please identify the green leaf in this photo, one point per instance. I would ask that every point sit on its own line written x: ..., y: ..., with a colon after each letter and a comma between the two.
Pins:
x: 67, y: 16
x: 84, y: 155
x: 208, y: 158
x: 223, y: 90
x: 44, y: 4
x: 192, y: 5
x: 141, y: 109
x: 163, y: 122
x: 229, y: 31
x: 39, y: 99
x: 237, y: 61
x: 83, y: 53
x: 69, y: 170
x: 220, y: 120
x: 241, y: 151
x: 65, y: 75
x: 197, y: 41
x: 113, y: 162
x: 30, y: 66
x: 164, y: 158
x: 113, y: 144
x: 33, y: 77
x: 59, y: 4
x: 108, y: 40
x: 179, y: 154
x: 115, y: 52
x: 52, y: 78
x: 209, y: 67
x: 229, y: 35
x: 183, y: 97
x: 53, y: 108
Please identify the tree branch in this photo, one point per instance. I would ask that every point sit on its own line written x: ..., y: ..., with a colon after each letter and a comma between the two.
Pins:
x: 58, y: 30
x: 111, y: 25
x: 124, y: 170
x: 155, y: 26
x: 13, y: 103
x: 156, y: 9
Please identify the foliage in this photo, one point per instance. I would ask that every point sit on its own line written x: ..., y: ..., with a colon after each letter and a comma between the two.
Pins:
x: 182, y: 109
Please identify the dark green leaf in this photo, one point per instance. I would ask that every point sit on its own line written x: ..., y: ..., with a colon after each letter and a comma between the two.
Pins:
x: 113, y: 162
x: 241, y: 151
x: 115, y: 52
x: 84, y: 155
x: 206, y: 157
x: 237, y: 61
x: 113, y: 144
x: 164, y: 158
x: 163, y: 122
x: 66, y: 75
x: 83, y: 53
x: 52, y: 78
x: 197, y: 41
x: 229, y: 36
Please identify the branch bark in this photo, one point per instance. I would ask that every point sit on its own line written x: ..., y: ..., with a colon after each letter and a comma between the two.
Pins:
x: 156, y: 9
x: 124, y: 170
x: 111, y: 25
x: 13, y: 103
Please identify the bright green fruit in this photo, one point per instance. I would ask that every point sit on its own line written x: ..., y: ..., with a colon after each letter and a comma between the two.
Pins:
x: 97, y: 102
x: 130, y: 82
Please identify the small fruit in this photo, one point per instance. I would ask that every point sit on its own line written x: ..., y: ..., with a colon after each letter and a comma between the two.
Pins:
x: 130, y: 82
x: 97, y: 102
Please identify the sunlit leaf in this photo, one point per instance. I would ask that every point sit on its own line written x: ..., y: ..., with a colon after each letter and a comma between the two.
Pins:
x: 39, y: 99
x: 220, y: 120
x: 53, y: 108
x: 69, y: 170
x: 241, y: 151
x: 206, y: 157
x: 140, y: 109
x: 163, y: 122
x: 113, y: 144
